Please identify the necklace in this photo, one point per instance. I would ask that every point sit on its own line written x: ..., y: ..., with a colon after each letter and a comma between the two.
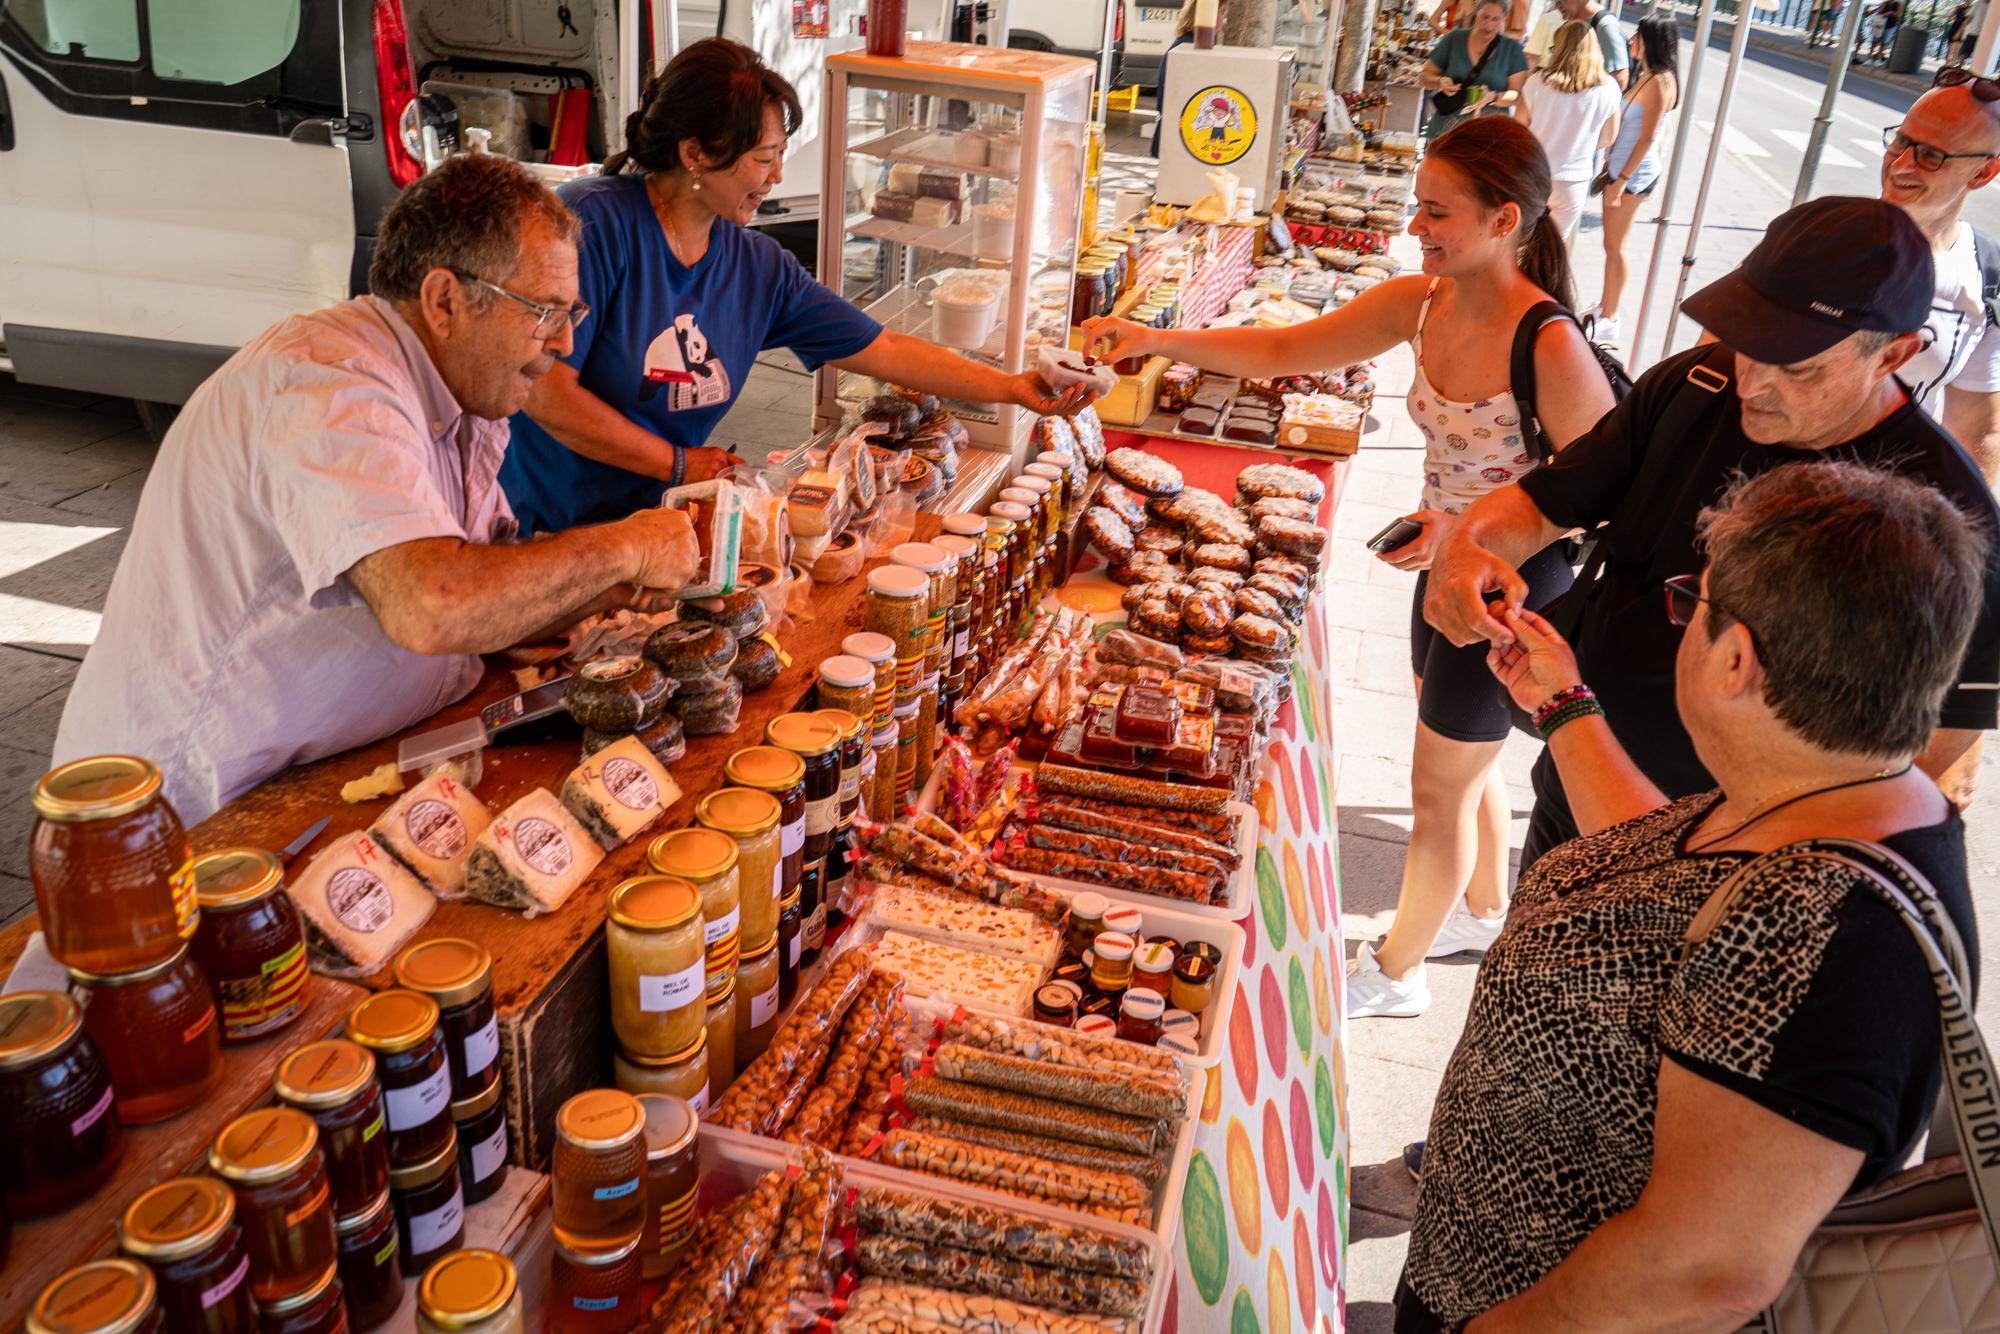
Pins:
x: 1792, y: 796
x: 675, y: 243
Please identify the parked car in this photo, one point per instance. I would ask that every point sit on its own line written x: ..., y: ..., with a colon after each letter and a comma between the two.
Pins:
x: 1069, y: 28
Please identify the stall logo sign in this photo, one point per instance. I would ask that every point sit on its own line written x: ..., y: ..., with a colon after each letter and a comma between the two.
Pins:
x: 1218, y: 124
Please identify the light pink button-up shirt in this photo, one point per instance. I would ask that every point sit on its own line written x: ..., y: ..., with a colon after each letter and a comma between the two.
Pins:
x: 233, y: 643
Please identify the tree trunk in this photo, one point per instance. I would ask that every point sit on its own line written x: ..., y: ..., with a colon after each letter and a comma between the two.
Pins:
x: 1357, y: 30
x: 1249, y: 23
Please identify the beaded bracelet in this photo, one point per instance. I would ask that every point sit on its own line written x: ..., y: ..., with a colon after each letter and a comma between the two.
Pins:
x: 1569, y: 713
x: 1560, y: 698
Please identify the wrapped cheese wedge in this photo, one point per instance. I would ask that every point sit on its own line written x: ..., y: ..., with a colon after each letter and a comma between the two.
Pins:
x: 359, y: 904
x: 430, y: 829
x: 532, y: 857
x: 619, y: 791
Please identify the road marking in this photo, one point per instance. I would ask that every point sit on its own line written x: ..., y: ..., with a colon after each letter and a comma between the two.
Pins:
x: 1829, y: 156
x: 1814, y: 98
x: 1735, y: 141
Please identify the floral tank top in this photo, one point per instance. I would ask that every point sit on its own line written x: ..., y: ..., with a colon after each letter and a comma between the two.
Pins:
x: 1469, y: 448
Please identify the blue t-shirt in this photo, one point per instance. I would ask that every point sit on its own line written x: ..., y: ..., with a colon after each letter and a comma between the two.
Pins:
x: 667, y: 345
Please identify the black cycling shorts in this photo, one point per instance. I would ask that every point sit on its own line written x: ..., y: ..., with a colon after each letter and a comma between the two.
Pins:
x: 1460, y: 699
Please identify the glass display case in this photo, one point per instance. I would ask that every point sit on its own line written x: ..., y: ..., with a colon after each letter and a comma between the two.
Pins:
x: 952, y: 192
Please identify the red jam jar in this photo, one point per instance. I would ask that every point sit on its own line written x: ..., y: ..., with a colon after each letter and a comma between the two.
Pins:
x: 320, y: 1309
x: 1139, y: 1016
x: 458, y: 975
x: 481, y: 1124
x: 371, y: 1270
x: 271, y: 1159
x: 157, y: 1030
x: 113, y: 881
x: 430, y: 1206
x: 333, y: 1082
x: 250, y: 943
x: 594, y: 1292
x: 102, y: 1297
x: 401, y: 1027
x: 185, y: 1231
x: 59, y: 1129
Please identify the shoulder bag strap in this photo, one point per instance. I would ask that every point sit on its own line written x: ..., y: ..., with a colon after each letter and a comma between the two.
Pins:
x: 1521, y: 373
x: 1987, y: 252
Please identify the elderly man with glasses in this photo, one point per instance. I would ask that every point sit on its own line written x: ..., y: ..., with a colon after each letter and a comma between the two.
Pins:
x: 322, y: 548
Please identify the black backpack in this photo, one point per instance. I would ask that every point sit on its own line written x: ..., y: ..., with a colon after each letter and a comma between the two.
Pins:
x: 1987, y: 251
x: 1521, y: 369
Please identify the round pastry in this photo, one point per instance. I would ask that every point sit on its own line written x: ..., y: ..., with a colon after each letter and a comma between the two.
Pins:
x: 1226, y: 526
x: 1257, y: 602
x: 946, y: 424
x: 741, y: 614
x: 664, y: 738
x: 1122, y: 503
x: 1132, y: 570
x: 1284, y: 587
x: 694, y: 655
x: 1108, y: 533
x: 757, y: 663
x: 1285, y: 567
x: 1163, y: 540
x: 1158, y: 619
x: 1222, y: 556
x: 1290, y: 537
x: 1134, y: 595
x: 710, y: 712
x: 1207, y: 613
x: 1212, y: 645
x: 1260, y: 632
x: 618, y: 694
x: 1176, y: 591
x: 899, y: 414
x: 1144, y: 473
x: 1264, y: 480
x: 1165, y: 511
x: 1208, y: 576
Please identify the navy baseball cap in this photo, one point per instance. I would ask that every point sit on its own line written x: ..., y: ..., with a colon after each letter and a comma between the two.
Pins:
x: 1824, y: 270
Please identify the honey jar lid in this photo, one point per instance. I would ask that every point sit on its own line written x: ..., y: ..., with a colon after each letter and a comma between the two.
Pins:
x: 872, y: 647
x: 324, y: 1074
x: 681, y: 1057
x: 844, y: 669
x: 176, y: 1219
x: 263, y: 1145
x: 150, y: 971
x: 1089, y: 905
x: 738, y: 811
x: 802, y: 733
x: 1016, y: 494
x: 670, y: 1124
x: 236, y: 877
x: 601, y: 1118
x: 958, y: 547
x: 299, y: 1301
x: 102, y: 1297
x: 418, y: 1175
x: 357, y: 1221
x: 766, y: 768
x: 920, y: 556
x: 466, y: 1287
x: 655, y: 902
x: 393, y: 1020
x: 1154, y: 957
x: 101, y: 787
x: 479, y: 1104
x: 898, y: 581
x: 1180, y: 1044
x: 849, y: 725
x: 1143, y: 1004
x: 449, y: 970
x: 1112, y: 946
x: 35, y: 1025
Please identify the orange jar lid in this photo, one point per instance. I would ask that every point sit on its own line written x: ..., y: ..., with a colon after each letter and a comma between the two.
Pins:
x: 393, y: 1020
x: 263, y: 1145
x: 600, y: 1119
x: 803, y: 733
x: 324, y: 1074
x: 766, y: 768
x: 35, y: 1025
x: 449, y: 970
x: 102, y: 1297
x: 236, y: 878
x: 739, y: 811
x: 655, y: 902
x: 693, y: 854
x: 176, y: 1219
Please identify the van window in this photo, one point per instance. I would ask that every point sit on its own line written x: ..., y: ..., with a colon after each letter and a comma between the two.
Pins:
x: 93, y: 29
x: 221, y: 41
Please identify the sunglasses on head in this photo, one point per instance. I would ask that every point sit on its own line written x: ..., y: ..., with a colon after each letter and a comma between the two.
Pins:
x: 1958, y: 76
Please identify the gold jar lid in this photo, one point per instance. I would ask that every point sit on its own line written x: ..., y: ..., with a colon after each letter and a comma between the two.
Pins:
x: 681, y: 1057
x: 324, y: 1074
x: 803, y: 734
x: 418, y: 1175
x: 263, y: 1145
x: 742, y: 812
x: 236, y: 878
x: 670, y: 1124
x: 466, y: 1287
x: 654, y: 902
x: 598, y: 1259
x: 601, y: 1118
x: 747, y: 955
x: 176, y: 1219
x: 694, y: 853
x: 102, y: 1297
x: 356, y: 1222
x: 299, y: 1301
x: 479, y: 1104
x: 146, y: 974
x: 393, y: 1020
x: 101, y: 787
x: 448, y: 970
x: 844, y: 719
x: 766, y: 768
x: 791, y: 900
x: 35, y: 1025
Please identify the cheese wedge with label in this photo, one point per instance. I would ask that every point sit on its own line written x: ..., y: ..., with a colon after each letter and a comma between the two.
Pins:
x: 619, y: 791
x: 430, y: 829
x: 532, y: 857
x: 359, y: 904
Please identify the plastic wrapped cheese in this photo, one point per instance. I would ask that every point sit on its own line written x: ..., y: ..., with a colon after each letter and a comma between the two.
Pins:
x: 619, y: 791
x: 430, y: 829
x: 533, y: 856
x: 359, y: 904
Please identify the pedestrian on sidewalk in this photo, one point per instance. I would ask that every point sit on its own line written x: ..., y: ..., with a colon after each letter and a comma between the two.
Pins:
x: 1888, y: 16
x: 1813, y: 328
x: 1819, y: 32
x: 1610, y: 37
x: 1571, y: 105
x: 1491, y: 254
x: 1974, y: 25
x: 1633, y: 164
x: 1472, y: 69
x: 1630, y: 1137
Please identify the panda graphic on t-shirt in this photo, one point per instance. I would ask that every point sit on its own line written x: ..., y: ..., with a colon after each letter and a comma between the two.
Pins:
x: 679, y: 359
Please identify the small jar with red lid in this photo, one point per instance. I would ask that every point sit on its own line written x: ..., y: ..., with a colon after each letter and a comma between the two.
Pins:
x: 102, y: 1297
x: 481, y: 1125
x: 429, y: 1205
x: 110, y: 863
x: 321, y: 1308
x: 371, y: 1268
x: 458, y: 975
x: 251, y: 943
x: 185, y: 1231
x: 272, y: 1161
x: 59, y: 1129
x: 400, y: 1027
x: 594, y: 1292
x: 333, y: 1082
x: 158, y: 1032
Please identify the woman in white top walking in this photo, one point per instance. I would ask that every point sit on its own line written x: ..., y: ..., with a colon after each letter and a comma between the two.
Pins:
x: 1490, y: 254
x: 1571, y: 103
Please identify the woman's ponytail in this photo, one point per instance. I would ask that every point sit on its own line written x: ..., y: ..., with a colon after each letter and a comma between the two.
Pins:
x: 1502, y: 162
x: 1544, y: 260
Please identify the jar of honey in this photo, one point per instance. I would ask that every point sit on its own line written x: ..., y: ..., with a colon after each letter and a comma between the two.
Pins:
x: 594, y: 1292
x: 185, y: 1231
x: 783, y: 775
x: 113, y: 875
x: 102, y: 1297
x: 401, y: 1028
x: 59, y: 1130
x: 599, y: 1169
x: 685, y: 1074
x: 333, y: 1082
x: 1086, y: 919
x: 470, y: 1292
x: 371, y: 1270
x: 319, y: 1309
x: 672, y: 1174
x: 157, y: 1030
x: 481, y: 1124
x: 721, y: 1040
x: 430, y: 1207
x: 658, y: 967
x: 707, y: 859
x: 756, y: 1004
x: 1111, y: 961
x: 817, y: 742
x: 272, y: 1161
x: 1194, y: 977
x: 458, y: 975
x: 751, y: 819
x: 250, y: 943
x: 1153, y: 966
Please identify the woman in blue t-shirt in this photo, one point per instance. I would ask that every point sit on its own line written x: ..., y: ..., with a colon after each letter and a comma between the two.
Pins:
x: 1471, y: 70
x: 683, y: 297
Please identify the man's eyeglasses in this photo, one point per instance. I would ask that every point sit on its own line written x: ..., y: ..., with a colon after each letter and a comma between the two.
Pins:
x: 1684, y: 595
x: 1930, y: 159
x: 1956, y: 76
x: 548, y: 319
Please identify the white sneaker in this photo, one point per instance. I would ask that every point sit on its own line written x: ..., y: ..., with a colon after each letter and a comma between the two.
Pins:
x: 1372, y: 993
x: 1606, y: 331
x: 1464, y: 932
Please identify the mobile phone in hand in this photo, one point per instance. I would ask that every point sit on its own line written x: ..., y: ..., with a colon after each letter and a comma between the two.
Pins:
x: 1396, y: 536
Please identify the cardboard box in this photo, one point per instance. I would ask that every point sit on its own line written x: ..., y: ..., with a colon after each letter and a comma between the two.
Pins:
x: 1132, y: 401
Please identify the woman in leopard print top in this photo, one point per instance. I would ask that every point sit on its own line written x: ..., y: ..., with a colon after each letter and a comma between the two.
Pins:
x: 1623, y: 1141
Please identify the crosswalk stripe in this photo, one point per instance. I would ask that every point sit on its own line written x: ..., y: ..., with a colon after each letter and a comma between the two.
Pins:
x: 1736, y: 141
x: 1829, y: 156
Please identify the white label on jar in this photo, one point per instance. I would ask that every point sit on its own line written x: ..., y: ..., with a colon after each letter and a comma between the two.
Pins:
x: 419, y: 1104
x: 792, y: 949
x: 699, y: 1102
x: 490, y: 1154
x: 721, y: 926
x: 434, y: 1230
x: 594, y: 1303
x: 963, y: 644
x: 821, y: 814
x: 850, y: 784
x: 95, y: 1114
x: 778, y: 879
x: 483, y: 1047
x: 672, y: 991
x: 764, y: 1008
x: 792, y: 838
x: 229, y: 1284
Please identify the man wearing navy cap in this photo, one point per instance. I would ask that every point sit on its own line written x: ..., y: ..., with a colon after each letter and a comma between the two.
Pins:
x: 1811, y: 330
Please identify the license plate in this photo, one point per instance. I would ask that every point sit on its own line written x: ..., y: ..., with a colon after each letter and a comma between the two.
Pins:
x: 1148, y: 14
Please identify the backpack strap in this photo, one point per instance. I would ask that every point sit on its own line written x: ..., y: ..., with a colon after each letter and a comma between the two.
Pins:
x: 1987, y: 251
x: 1521, y: 372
